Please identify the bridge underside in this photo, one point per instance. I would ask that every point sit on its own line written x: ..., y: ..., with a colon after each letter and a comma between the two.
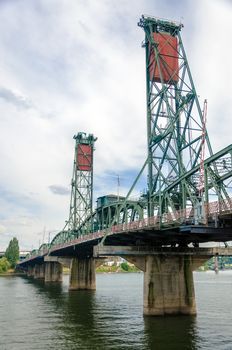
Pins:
x: 180, y: 236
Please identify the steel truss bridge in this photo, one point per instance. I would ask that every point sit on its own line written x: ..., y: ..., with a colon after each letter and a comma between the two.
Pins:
x: 188, y: 197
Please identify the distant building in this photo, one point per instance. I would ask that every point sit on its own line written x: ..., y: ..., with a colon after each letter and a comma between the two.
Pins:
x: 22, y: 254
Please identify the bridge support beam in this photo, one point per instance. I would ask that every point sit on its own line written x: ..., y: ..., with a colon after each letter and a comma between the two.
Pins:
x: 83, y: 274
x: 62, y: 260
x: 53, y: 272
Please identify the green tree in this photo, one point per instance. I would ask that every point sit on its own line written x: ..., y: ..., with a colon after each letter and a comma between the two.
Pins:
x: 4, y: 265
x: 12, y: 252
x: 125, y: 266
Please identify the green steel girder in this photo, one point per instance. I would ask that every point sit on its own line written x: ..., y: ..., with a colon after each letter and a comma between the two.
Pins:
x: 175, y: 125
x: 119, y: 212
x: 104, y: 218
x: 63, y: 237
x: 209, y: 161
x: 43, y: 247
x: 34, y: 252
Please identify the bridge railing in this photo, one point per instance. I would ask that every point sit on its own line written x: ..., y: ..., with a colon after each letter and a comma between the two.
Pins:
x: 218, y: 207
x: 179, y: 216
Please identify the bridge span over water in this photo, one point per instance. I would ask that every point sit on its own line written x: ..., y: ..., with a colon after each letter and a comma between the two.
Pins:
x: 187, y: 200
x: 165, y: 256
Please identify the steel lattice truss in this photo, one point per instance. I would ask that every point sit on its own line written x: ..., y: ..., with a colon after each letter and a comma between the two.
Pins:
x: 176, y: 132
x: 81, y: 204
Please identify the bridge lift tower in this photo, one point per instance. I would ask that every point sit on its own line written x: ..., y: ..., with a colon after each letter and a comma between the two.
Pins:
x: 175, y: 122
x: 81, y: 204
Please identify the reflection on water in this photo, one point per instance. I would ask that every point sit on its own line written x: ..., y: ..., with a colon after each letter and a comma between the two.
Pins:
x: 34, y: 315
x: 170, y: 332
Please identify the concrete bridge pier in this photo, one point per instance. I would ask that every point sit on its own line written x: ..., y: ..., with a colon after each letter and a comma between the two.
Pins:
x: 53, y: 271
x: 83, y: 274
x: 168, y: 276
x: 41, y: 271
x: 169, y: 286
x: 36, y: 272
x: 30, y: 271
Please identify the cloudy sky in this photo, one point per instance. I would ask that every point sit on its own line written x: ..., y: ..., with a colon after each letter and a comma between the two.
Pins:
x: 77, y: 65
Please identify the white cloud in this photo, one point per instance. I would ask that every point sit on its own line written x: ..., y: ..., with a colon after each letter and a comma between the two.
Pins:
x: 59, y: 190
x: 210, y: 58
x: 80, y: 67
x: 2, y: 229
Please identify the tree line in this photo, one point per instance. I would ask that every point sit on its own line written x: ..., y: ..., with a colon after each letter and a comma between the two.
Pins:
x: 11, y: 257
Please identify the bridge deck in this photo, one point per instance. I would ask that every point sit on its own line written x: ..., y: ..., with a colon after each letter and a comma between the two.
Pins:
x: 151, y: 232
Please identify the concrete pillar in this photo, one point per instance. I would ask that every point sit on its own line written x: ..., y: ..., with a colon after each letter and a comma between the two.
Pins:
x: 53, y: 272
x: 216, y: 268
x: 36, y: 274
x: 83, y: 274
x: 33, y: 271
x: 42, y: 271
x: 30, y: 271
x: 39, y: 271
x: 168, y: 285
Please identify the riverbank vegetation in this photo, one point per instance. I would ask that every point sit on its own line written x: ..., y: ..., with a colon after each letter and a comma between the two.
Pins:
x: 11, y: 257
x: 4, y: 265
x: 217, y: 263
x: 12, y: 252
x: 123, y: 267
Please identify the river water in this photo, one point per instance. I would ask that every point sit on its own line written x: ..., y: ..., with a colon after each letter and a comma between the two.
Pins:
x: 36, y: 316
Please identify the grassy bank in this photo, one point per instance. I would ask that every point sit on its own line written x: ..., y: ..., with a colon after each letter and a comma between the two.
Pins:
x: 124, y: 267
x: 11, y: 272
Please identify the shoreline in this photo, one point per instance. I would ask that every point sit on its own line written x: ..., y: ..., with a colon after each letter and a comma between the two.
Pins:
x: 7, y: 274
x: 12, y: 274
